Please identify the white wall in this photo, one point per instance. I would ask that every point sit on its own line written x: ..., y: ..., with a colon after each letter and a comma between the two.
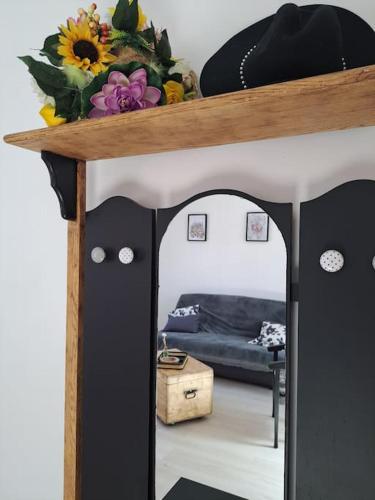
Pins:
x: 33, y: 237
x: 226, y: 263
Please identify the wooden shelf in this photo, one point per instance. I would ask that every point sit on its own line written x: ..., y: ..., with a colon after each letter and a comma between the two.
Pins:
x: 335, y: 101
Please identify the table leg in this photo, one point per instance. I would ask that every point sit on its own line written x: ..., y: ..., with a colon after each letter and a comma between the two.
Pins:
x: 276, y: 393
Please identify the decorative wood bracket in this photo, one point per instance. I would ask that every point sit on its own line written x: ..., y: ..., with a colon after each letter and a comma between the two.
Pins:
x: 63, y: 174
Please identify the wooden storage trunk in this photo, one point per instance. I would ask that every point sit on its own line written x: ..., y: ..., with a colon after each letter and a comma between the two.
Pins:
x: 184, y: 394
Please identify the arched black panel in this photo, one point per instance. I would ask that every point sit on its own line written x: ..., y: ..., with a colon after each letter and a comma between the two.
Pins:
x: 118, y: 411
x: 282, y: 214
x: 336, y: 377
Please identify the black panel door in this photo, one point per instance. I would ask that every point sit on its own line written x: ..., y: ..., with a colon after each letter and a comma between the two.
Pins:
x: 281, y: 214
x: 118, y: 409
x: 336, y: 375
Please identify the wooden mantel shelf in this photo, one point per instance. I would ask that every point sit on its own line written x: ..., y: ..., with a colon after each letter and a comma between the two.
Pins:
x: 335, y: 101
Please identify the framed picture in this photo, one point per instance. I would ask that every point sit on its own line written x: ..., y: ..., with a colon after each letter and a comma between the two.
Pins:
x: 197, y: 227
x: 257, y: 226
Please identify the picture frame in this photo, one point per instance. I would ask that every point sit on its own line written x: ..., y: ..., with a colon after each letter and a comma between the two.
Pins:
x: 257, y: 226
x: 197, y: 227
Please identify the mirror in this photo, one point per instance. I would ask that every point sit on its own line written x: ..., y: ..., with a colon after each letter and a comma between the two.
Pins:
x: 221, y: 349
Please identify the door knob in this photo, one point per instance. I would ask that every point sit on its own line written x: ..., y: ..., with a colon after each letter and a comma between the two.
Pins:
x: 98, y: 255
x: 126, y: 255
x: 332, y: 261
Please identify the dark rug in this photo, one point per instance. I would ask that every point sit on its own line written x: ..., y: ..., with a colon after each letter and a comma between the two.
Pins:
x: 189, y: 490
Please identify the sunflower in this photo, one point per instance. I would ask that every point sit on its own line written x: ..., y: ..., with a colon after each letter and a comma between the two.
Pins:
x: 83, y: 50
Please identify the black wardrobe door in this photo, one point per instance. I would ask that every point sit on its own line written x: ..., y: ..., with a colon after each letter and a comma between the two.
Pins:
x: 117, y: 439
x: 336, y: 361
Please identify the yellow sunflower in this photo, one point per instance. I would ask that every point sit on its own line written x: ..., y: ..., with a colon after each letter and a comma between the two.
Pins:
x: 83, y: 50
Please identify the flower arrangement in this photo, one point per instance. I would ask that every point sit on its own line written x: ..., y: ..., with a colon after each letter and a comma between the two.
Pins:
x: 97, y: 69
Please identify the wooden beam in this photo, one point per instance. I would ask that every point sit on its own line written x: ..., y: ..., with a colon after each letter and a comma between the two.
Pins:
x: 74, y: 338
x: 335, y: 101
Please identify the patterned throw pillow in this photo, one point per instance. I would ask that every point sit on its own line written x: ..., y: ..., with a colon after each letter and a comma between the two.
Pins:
x: 270, y: 334
x: 185, y: 311
x: 183, y: 319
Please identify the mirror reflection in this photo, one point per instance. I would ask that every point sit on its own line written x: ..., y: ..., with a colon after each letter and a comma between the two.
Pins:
x: 221, y: 350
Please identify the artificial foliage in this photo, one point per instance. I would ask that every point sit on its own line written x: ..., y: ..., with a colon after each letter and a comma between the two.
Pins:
x: 93, y: 69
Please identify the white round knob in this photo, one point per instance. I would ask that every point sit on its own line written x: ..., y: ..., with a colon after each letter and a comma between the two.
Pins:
x: 332, y: 261
x: 126, y: 255
x: 373, y: 262
x: 98, y: 255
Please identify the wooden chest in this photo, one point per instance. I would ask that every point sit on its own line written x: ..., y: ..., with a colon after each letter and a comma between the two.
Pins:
x: 184, y: 394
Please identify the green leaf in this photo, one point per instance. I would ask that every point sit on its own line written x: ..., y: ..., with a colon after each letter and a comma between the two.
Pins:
x: 51, y: 80
x: 125, y: 17
x: 176, y: 77
x: 154, y: 80
x: 148, y: 34
x: 169, y: 63
x: 163, y: 99
x: 76, y: 107
x: 153, y: 33
x: 28, y: 60
x: 69, y: 106
x: 95, y: 86
x: 134, y: 40
x: 163, y: 47
x: 75, y: 77
x: 49, y: 50
x: 64, y: 105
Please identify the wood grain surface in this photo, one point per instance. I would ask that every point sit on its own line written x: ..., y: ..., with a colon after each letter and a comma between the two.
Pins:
x: 335, y: 101
x: 74, y: 334
x: 173, y: 403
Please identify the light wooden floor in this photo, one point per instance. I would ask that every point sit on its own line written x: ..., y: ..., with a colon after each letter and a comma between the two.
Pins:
x: 232, y: 450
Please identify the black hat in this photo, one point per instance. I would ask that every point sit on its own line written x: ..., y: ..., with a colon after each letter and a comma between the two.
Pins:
x: 296, y: 42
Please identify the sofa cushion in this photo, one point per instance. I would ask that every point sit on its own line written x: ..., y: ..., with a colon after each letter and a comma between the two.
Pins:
x: 183, y: 319
x: 229, y: 350
x: 188, y: 323
x: 233, y: 314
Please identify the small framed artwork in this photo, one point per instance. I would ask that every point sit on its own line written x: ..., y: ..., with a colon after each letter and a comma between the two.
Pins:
x: 197, y: 227
x: 257, y: 227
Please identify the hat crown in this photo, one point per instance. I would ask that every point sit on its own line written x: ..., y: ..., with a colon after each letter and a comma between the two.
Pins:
x: 295, y: 42
x: 287, y: 19
x: 290, y: 20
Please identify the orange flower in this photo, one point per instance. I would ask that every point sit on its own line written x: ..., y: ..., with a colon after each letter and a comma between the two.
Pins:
x: 174, y: 92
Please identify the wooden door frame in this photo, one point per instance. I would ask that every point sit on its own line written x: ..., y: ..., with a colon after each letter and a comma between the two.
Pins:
x: 74, y: 342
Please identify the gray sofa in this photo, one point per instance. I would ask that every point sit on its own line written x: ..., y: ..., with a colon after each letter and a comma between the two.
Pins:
x: 227, y: 323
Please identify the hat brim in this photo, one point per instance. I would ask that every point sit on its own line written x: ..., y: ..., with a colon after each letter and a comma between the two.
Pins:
x: 221, y: 72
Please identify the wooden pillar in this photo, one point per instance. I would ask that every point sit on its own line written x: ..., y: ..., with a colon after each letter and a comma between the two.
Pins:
x: 74, y: 338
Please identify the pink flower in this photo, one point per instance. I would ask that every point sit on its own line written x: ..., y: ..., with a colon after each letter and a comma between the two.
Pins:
x: 122, y: 94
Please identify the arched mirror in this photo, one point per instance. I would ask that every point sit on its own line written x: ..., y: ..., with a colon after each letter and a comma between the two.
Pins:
x: 223, y: 336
